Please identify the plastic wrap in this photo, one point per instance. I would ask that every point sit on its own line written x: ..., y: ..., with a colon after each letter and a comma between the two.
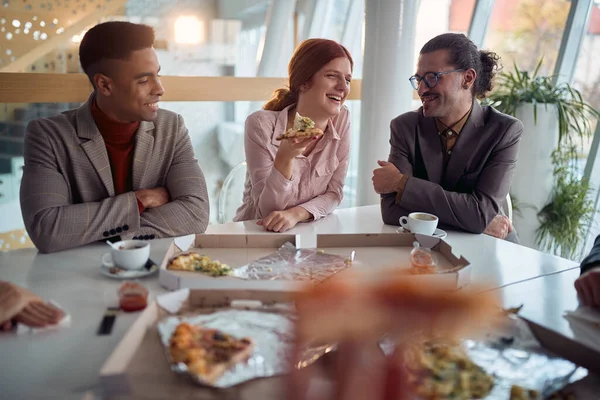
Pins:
x: 290, y: 263
x: 513, y: 356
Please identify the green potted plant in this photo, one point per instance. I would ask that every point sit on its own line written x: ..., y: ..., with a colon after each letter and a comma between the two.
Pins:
x: 554, y: 115
x: 564, y: 221
x: 517, y: 87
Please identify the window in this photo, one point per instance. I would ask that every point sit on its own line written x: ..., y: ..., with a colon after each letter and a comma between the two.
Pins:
x: 586, y: 77
x: 440, y: 16
x: 524, y: 31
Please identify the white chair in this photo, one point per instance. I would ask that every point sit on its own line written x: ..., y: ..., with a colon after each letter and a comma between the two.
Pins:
x: 508, y: 207
x: 231, y: 194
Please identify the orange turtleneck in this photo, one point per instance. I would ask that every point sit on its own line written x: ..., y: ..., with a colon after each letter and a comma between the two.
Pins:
x: 119, y: 139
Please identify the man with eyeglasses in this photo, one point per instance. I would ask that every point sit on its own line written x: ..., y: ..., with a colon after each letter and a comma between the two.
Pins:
x: 452, y: 157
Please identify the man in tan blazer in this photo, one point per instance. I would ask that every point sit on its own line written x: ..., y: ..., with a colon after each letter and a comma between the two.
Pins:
x: 452, y: 157
x: 118, y: 166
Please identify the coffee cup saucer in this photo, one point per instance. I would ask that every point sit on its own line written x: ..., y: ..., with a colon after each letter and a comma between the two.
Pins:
x: 119, y: 273
x: 439, y: 233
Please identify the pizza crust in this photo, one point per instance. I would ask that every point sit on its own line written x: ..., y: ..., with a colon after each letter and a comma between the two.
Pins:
x: 293, y: 134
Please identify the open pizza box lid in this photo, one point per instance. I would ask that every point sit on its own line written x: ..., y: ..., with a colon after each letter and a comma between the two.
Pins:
x: 138, y: 366
x: 370, y: 252
x: 385, y: 251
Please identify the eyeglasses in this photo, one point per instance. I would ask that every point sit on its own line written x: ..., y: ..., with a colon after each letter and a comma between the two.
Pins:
x: 430, y: 78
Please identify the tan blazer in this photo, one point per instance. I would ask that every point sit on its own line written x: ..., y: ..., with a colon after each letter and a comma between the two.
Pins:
x: 468, y: 194
x: 67, y: 191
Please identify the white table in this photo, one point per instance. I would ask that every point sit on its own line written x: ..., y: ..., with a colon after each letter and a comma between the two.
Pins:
x: 545, y: 300
x: 66, y: 363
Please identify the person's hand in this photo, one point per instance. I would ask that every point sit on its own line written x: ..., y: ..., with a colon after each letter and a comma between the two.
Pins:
x: 281, y: 221
x: 386, y: 179
x: 38, y: 314
x: 356, y: 370
x: 290, y: 148
x: 22, y: 306
x: 500, y: 227
x: 152, y: 198
x: 12, y: 300
x: 588, y: 287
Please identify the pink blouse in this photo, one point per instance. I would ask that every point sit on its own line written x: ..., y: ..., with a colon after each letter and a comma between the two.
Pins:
x: 317, y: 181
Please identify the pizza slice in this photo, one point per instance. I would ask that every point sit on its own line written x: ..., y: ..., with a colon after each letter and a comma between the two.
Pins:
x: 207, y: 353
x: 185, y: 261
x: 192, y: 261
x: 438, y: 370
x: 303, y: 127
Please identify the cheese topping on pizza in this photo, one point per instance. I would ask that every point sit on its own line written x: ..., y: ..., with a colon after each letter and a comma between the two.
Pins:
x: 303, y: 127
x: 207, y: 353
x: 195, y: 262
x: 303, y: 123
x: 443, y: 371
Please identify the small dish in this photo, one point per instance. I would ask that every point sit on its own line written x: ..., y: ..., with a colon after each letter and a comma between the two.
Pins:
x: 133, y: 296
x: 439, y: 233
x: 119, y: 273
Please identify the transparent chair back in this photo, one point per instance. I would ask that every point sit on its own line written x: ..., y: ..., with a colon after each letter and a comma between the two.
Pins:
x: 508, y: 207
x: 231, y: 194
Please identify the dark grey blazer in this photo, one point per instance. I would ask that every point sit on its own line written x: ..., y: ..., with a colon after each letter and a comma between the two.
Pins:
x: 469, y: 194
x: 592, y: 259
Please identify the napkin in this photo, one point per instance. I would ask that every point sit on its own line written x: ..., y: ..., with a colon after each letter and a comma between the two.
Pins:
x: 64, y: 322
x: 173, y: 301
x: 184, y: 242
x: 585, y: 313
x: 585, y: 324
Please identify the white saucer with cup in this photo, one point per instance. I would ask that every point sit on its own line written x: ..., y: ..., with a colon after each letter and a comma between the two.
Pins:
x: 420, y: 222
x: 127, y: 254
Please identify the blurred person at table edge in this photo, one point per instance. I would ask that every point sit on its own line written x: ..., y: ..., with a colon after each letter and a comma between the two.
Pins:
x: 588, y: 284
x: 19, y: 305
x: 118, y: 166
x: 301, y: 179
x: 452, y: 157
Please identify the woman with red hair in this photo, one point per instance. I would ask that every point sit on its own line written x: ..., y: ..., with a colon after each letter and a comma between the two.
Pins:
x: 300, y: 179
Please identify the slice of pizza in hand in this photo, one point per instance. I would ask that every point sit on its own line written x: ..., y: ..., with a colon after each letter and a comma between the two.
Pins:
x: 207, y: 353
x: 304, y: 127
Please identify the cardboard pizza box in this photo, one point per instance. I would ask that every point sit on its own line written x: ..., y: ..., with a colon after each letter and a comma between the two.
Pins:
x: 387, y: 252
x: 233, y: 250
x: 138, y: 366
x: 372, y: 252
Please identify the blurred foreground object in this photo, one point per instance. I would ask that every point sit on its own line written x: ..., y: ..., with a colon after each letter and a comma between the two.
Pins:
x: 357, y: 313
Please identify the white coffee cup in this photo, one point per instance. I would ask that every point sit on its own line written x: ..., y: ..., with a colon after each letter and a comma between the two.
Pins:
x: 420, y: 222
x: 129, y: 254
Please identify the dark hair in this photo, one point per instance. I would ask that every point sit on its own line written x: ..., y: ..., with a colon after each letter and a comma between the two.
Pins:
x: 463, y: 54
x: 114, y: 40
x: 310, y: 56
